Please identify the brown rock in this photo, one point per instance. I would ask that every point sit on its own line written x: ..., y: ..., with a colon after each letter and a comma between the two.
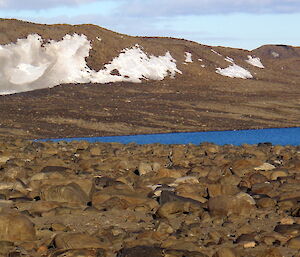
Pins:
x: 59, y: 227
x: 294, y: 243
x: 230, y: 180
x: 288, y: 230
x: 266, y: 202
x: 14, y: 172
x: 278, y: 174
x: 268, y: 240
x: 246, y: 238
x: 4, y: 159
x: 288, y: 204
x: 71, y: 193
x: 289, y: 195
x: 122, y: 192
x: 180, y: 253
x: 289, y: 190
x: 273, y: 252
x: 265, y: 167
x: 114, y: 203
x: 170, y: 209
x: 242, y: 166
x: 152, y: 251
x: 6, y: 247
x: 165, y: 228
x: 218, y: 189
x: 95, y: 150
x: 225, y: 252
x: 138, y: 251
x: 171, y: 173
x: 240, y: 203
x: 79, y: 253
x: 287, y: 221
x: 251, y: 244
x: 264, y: 188
x: 257, y: 178
x: 50, y: 169
x: 76, y: 241
x: 16, y: 227
x: 144, y: 168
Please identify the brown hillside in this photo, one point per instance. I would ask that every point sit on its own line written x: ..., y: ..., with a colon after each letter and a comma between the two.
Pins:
x: 199, y: 99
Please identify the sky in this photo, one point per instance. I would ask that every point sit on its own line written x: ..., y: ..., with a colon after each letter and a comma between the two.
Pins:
x: 245, y: 24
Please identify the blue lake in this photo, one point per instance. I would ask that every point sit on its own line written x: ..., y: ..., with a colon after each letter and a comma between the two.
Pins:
x: 276, y: 136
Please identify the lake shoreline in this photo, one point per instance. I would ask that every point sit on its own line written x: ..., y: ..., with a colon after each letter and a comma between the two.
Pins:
x: 281, y: 136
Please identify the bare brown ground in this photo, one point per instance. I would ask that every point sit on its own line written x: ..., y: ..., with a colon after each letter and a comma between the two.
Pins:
x: 151, y: 107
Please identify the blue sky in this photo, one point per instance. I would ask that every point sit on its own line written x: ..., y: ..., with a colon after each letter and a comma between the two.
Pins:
x: 236, y: 23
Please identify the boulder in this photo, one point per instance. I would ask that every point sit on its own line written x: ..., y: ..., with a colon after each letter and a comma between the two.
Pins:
x: 72, y: 240
x: 16, y: 227
x: 153, y: 251
x: 223, y: 205
x: 172, y: 209
x: 79, y: 253
x: 71, y: 193
x: 225, y: 252
x: 294, y: 243
x: 292, y: 230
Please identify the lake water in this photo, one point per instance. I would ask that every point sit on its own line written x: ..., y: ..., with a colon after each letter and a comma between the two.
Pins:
x: 276, y: 136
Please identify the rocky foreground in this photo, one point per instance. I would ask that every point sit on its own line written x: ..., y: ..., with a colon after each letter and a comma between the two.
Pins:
x: 81, y: 199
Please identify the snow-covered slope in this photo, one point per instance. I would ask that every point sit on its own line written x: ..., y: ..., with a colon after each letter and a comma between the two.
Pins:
x: 28, y: 65
x: 34, y: 56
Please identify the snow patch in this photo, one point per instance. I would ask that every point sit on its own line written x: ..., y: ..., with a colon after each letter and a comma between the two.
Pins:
x: 133, y: 65
x: 188, y: 57
x: 235, y: 71
x: 31, y: 64
x: 274, y: 54
x: 255, y: 61
x: 228, y: 59
x: 215, y: 52
x: 99, y: 39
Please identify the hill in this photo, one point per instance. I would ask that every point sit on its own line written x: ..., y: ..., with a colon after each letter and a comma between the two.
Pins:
x: 215, y: 88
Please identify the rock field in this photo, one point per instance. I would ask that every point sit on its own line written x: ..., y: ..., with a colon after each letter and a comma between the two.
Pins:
x: 81, y: 199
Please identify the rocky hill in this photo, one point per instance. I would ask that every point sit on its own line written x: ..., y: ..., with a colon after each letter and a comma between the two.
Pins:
x: 213, y: 88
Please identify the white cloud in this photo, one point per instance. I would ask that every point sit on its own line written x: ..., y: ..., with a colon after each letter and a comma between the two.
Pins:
x: 168, y: 7
x: 38, y: 5
x: 2, y: 3
x: 200, y: 7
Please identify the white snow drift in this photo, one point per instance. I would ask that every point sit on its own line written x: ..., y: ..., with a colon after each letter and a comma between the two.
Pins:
x: 133, y: 65
x: 31, y: 64
x: 188, y: 57
x: 255, y: 61
x: 234, y: 71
